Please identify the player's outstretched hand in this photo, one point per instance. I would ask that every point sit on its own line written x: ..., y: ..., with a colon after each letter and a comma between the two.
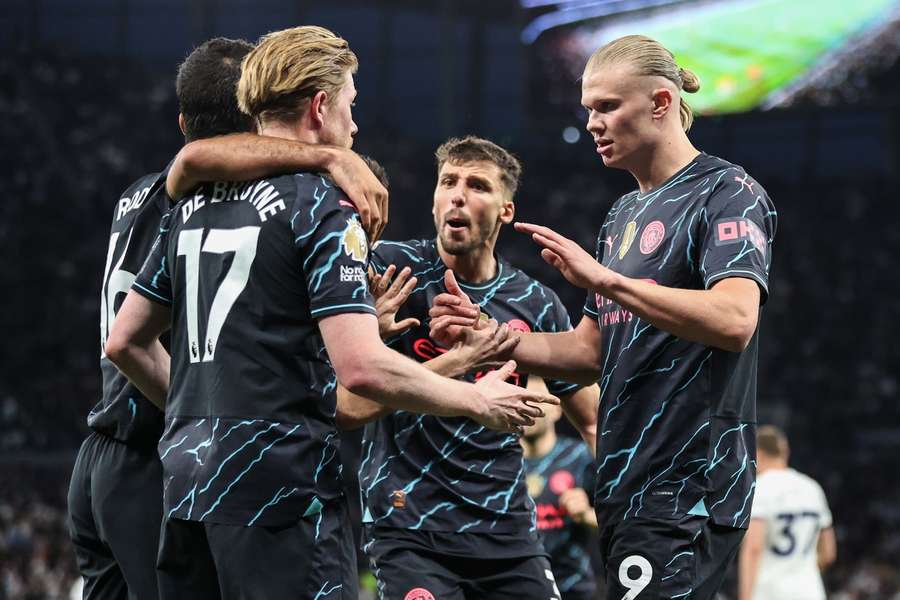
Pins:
x: 352, y: 174
x: 451, y: 313
x: 576, y: 265
x: 507, y: 407
x: 390, y: 294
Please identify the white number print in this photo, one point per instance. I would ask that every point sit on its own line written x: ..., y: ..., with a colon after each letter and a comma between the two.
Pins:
x: 242, y: 242
x: 115, y: 281
x: 635, y: 585
x: 549, y: 575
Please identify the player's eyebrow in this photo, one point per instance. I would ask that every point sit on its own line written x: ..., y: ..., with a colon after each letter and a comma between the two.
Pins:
x: 480, y: 180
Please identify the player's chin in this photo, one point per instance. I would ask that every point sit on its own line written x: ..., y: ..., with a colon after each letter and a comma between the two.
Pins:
x: 610, y: 160
x: 455, y: 247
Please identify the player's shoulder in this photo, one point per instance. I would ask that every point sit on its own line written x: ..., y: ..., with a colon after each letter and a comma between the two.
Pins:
x: 139, y: 194
x: 312, y: 197
x: 304, y: 187
x: 622, y: 203
x: 520, y: 282
x: 408, y: 252
x: 785, y: 481
x: 728, y: 176
x: 805, y: 481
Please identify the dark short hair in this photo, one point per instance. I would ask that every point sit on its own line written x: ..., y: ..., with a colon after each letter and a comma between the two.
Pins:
x: 376, y: 169
x: 207, y: 89
x: 772, y: 441
x: 472, y: 148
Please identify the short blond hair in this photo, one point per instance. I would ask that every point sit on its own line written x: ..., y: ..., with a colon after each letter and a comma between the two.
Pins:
x: 649, y: 58
x: 288, y: 67
x: 772, y: 441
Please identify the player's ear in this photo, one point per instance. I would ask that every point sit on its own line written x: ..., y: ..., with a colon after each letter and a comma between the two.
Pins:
x: 181, y: 124
x: 507, y: 210
x: 318, y: 108
x: 662, y: 102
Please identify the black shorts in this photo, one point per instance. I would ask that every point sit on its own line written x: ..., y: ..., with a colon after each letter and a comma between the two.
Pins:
x: 410, y: 571
x: 656, y: 558
x: 115, y: 510
x: 314, y: 558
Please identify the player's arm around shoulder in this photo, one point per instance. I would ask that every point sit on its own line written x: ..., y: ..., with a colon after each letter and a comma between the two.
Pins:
x: 246, y: 156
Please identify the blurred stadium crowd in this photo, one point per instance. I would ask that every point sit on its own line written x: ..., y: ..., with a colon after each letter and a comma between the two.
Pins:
x: 77, y: 131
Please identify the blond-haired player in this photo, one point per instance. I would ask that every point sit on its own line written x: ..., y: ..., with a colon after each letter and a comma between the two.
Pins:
x: 670, y: 330
x: 264, y: 286
x: 790, y: 538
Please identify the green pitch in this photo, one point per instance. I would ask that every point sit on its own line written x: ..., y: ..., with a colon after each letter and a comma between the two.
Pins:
x: 744, y: 51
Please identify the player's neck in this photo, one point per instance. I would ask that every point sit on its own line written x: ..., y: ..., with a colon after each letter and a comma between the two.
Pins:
x: 540, y: 446
x: 664, y: 160
x: 477, y: 266
x: 770, y: 465
x: 289, y: 131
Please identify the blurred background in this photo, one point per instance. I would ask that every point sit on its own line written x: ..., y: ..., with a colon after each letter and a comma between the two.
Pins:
x: 803, y: 93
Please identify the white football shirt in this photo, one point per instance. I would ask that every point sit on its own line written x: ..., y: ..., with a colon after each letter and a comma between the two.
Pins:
x: 795, y: 511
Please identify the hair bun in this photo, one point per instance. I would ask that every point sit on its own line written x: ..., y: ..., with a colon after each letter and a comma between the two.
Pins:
x: 689, y: 82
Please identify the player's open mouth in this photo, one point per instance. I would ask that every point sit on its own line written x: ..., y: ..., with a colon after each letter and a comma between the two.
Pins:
x: 455, y: 224
x: 603, y: 146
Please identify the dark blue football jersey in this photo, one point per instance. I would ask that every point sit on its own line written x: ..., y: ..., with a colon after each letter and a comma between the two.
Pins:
x: 677, y: 418
x: 123, y: 412
x: 568, y: 465
x: 248, y: 269
x: 422, y: 472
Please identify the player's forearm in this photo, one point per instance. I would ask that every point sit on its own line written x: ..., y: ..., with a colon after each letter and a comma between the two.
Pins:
x: 403, y: 384
x: 241, y: 157
x: 747, y: 567
x: 564, y: 356
x: 354, y: 411
x: 826, y: 548
x: 580, y: 408
x: 711, y: 317
x: 148, y: 369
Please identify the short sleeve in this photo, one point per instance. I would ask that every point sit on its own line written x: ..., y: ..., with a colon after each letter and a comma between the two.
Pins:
x: 826, y: 520
x: 154, y: 281
x: 334, y: 250
x: 737, y: 228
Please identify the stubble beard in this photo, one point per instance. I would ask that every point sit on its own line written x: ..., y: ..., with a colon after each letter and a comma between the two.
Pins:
x: 475, y: 240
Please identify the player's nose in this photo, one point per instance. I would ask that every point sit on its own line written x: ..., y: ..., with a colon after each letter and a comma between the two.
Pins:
x: 458, y: 197
x: 594, y: 123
